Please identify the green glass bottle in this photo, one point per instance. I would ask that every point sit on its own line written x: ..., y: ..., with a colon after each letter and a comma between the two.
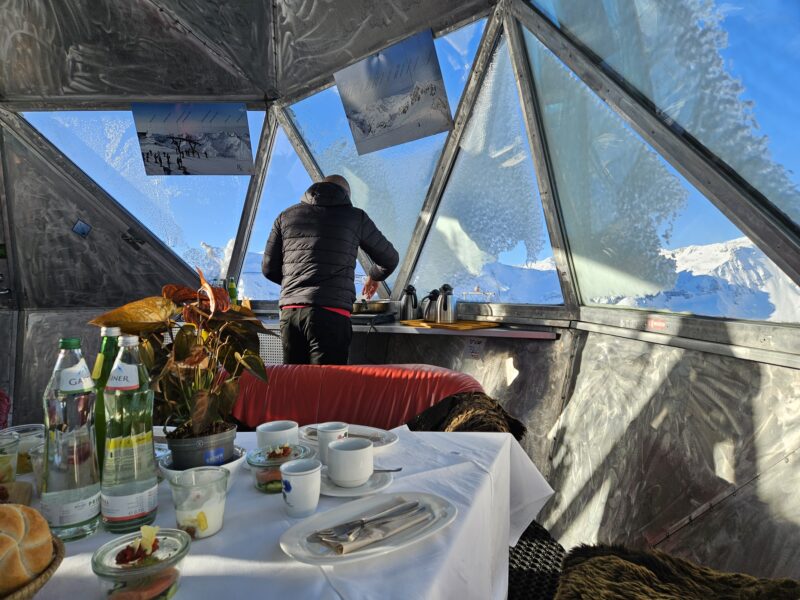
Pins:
x: 102, y: 368
x: 232, y: 291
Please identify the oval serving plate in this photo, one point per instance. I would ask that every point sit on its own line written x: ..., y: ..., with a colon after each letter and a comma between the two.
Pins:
x: 296, y: 544
x: 380, y: 438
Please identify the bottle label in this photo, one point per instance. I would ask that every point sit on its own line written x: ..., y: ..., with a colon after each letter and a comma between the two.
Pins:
x: 133, y: 506
x: 66, y: 514
x: 76, y: 379
x: 129, y: 454
x: 123, y: 377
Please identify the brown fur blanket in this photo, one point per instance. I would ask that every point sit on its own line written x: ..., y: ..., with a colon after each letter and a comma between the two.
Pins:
x: 614, y: 572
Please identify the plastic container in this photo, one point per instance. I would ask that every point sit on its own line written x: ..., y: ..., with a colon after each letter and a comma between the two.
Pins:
x: 266, y: 470
x: 150, y: 581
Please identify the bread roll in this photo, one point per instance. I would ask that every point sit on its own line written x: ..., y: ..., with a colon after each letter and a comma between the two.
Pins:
x: 26, y: 546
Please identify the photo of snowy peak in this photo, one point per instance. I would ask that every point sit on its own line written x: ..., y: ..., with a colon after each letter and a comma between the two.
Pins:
x: 193, y: 139
x: 395, y: 96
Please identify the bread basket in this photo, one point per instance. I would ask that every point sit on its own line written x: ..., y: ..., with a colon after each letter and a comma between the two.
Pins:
x: 32, y: 588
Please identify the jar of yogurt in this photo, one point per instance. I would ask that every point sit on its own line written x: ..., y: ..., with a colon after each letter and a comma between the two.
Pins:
x: 199, y: 497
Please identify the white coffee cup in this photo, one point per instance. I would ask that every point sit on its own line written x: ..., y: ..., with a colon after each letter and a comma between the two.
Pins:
x: 350, y: 462
x: 301, y: 483
x: 327, y: 433
x: 276, y: 433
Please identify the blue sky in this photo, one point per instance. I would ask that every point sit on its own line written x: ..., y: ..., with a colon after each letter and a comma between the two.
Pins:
x: 764, y: 51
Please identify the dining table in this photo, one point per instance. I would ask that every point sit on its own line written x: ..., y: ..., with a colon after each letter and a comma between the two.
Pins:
x: 495, y: 488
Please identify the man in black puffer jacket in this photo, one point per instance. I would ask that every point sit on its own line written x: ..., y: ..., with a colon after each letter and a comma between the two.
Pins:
x: 311, y: 253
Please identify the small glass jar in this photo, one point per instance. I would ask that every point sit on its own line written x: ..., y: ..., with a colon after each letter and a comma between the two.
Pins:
x: 9, y: 444
x: 265, y: 465
x: 152, y: 579
x: 30, y: 436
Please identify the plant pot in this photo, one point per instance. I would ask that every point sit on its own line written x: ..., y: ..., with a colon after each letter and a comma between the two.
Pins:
x: 214, y: 449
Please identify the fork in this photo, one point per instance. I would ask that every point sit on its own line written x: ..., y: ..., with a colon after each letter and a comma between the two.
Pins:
x: 356, y: 530
x: 344, y: 528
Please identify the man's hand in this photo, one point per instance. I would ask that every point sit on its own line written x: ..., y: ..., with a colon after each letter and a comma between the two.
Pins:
x: 369, y: 289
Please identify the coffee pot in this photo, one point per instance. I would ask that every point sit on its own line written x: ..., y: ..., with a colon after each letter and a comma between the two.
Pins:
x: 408, y: 304
x: 428, y: 306
x: 446, y: 305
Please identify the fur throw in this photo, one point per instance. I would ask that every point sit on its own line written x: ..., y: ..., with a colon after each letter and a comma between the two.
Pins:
x: 614, y: 572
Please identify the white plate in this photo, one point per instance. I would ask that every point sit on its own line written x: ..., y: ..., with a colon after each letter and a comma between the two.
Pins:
x: 294, y: 540
x: 380, y: 437
x: 376, y: 483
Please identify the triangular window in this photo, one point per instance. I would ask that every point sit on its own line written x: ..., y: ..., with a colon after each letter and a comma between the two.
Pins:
x: 488, y: 238
x: 196, y: 216
x: 390, y: 184
x: 640, y: 235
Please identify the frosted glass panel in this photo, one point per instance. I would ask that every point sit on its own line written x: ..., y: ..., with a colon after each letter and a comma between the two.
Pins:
x: 286, y: 182
x: 725, y: 70
x: 196, y: 216
x: 488, y: 239
x: 640, y: 234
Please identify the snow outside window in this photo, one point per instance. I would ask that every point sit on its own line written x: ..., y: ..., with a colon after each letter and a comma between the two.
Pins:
x: 391, y: 184
x: 195, y: 216
x: 642, y: 236
x: 489, y: 239
x: 725, y: 70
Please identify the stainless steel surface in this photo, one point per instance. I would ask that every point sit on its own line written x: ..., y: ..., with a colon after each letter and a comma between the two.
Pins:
x: 112, y: 49
x: 448, y: 156
x: 253, y: 196
x: 409, y: 305
x: 371, y: 307
x: 548, y: 192
x: 308, y: 54
x: 428, y: 306
x: 746, y: 208
x: 653, y: 436
x: 523, y: 314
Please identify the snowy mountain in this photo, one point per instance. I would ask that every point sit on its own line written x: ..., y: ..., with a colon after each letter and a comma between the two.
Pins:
x: 730, y: 279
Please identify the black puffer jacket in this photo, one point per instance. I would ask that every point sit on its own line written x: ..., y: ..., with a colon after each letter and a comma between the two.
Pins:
x: 312, y: 249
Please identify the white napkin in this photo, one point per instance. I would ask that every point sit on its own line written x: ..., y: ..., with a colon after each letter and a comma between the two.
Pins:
x: 379, y: 531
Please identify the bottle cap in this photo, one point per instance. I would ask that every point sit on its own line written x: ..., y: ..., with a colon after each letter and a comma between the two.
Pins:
x: 129, y: 340
x: 69, y: 343
x: 110, y: 332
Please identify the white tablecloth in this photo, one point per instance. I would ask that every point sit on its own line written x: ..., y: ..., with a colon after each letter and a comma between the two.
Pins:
x: 487, y: 476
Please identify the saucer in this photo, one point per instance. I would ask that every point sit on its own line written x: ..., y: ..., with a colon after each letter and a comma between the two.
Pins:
x: 376, y: 483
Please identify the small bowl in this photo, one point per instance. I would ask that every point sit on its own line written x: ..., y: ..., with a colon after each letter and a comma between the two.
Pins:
x: 267, y: 471
x: 232, y: 466
x: 155, y: 580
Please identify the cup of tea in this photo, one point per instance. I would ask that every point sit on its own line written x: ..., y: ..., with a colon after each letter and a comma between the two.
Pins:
x: 327, y: 433
x: 301, y: 481
x: 350, y: 462
x: 276, y: 433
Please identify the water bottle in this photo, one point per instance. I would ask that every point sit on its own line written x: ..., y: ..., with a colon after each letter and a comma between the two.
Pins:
x: 100, y: 373
x: 232, y: 291
x: 71, y: 482
x: 129, y: 496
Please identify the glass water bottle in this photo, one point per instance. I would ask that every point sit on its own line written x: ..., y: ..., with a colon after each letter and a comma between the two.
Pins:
x: 71, y: 486
x: 130, y: 487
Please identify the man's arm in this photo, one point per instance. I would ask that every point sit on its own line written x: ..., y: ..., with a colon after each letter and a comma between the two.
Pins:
x: 380, y: 250
x: 272, y: 264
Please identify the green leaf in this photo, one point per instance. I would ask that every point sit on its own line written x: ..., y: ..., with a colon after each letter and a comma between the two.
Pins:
x: 184, y: 341
x: 201, y: 411
x: 253, y: 363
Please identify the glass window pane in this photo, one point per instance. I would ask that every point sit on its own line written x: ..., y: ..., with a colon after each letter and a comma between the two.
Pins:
x: 720, y: 68
x: 640, y: 234
x: 286, y: 182
x: 390, y: 184
x: 196, y: 216
x: 489, y: 239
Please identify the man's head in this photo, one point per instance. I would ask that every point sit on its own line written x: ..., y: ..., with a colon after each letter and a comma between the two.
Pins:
x: 340, y: 181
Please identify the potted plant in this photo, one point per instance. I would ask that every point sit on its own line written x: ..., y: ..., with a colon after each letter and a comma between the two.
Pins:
x: 194, y: 364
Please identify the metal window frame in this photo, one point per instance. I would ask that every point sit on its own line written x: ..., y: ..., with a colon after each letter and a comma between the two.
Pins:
x: 315, y: 172
x: 747, y: 208
x: 545, y: 177
x: 447, y: 159
x: 11, y: 282
x: 253, y: 196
